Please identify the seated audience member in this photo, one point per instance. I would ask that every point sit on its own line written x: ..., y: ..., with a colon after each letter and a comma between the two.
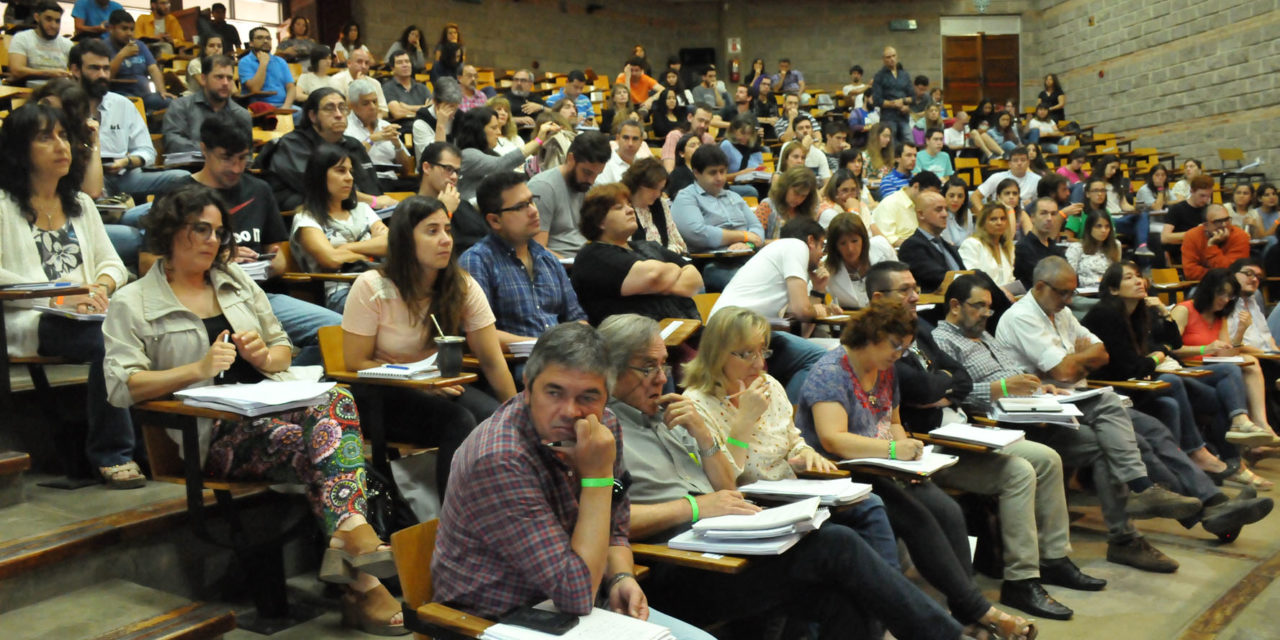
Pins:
x: 895, y: 216
x: 91, y: 16
x: 1248, y: 326
x: 1269, y: 210
x: 449, y: 54
x: 682, y: 175
x: 1046, y: 127
x: 1058, y: 189
x: 929, y: 255
x: 849, y: 256
x: 357, y: 67
x: 849, y: 409
x: 132, y: 60
x: 643, y: 90
x: 380, y: 138
x: 1095, y: 201
x: 349, y: 43
x: 740, y: 106
x: 508, y: 132
x: 1025, y: 476
x: 1154, y: 194
x: 1243, y: 213
x: 525, y: 284
x: 959, y: 137
x: 1041, y: 243
x: 960, y: 215
x: 1004, y: 130
x: 1125, y: 217
x: 472, y: 96
x: 404, y: 94
x: 1009, y: 195
x: 440, y: 169
x: 315, y: 79
x: 668, y: 114
x: 389, y: 319
x: 710, y: 91
x: 711, y: 217
x: 990, y: 248
x: 646, y: 179
x: 625, y: 276
x: 193, y: 302
x: 122, y: 133
x: 332, y: 232
x: 811, y: 140
x: 1097, y: 250
x: 325, y: 113
x: 218, y: 25
x: 210, y: 45
x: 922, y: 121
x: 1181, y: 190
x: 617, y: 109
x: 854, y: 92
x: 629, y: 137
x: 904, y: 168
x: 743, y: 151
x: 1039, y: 166
x: 841, y: 195
x: 477, y: 134
x: 764, y: 106
x: 297, y: 43
x: 793, y: 154
x: 435, y: 123
x: 185, y: 115
x: 677, y: 462
x: 836, y: 136
x: 1073, y: 169
x: 572, y: 91
x: 559, y: 192
x: 933, y: 157
x: 1019, y: 164
x: 51, y: 232
x: 261, y: 72
x: 785, y: 280
x: 793, y: 195
x: 789, y: 80
x: 163, y: 26
x: 784, y: 128
x: 1186, y: 214
x: 517, y: 529
x: 1214, y: 244
x: 40, y: 54
x: 412, y: 43
x: 698, y: 120
x: 555, y: 150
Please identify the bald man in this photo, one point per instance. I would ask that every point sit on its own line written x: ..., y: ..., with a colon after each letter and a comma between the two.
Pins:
x: 929, y: 255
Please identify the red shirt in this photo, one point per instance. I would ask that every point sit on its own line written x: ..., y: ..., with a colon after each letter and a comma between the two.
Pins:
x: 1198, y: 256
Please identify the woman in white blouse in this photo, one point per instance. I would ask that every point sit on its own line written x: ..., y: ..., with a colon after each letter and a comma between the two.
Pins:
x: 850, y: 255
x: 1097, y: 250
x: 990, y: 248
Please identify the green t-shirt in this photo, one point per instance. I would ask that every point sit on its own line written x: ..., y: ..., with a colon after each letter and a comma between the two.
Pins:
x: 1075, y: 224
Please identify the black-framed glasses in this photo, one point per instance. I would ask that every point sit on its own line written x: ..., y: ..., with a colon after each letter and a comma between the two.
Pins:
x: 204, y: 231
x: 1249, y: 274
x: 524, y: 204
x: 905, y: 290
x: 647, y: 372
x: 899, y: 348
x: 1064, y: 293
x: 450, y: 169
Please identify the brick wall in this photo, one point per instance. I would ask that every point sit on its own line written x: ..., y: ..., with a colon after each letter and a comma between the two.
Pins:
x: 1184, y: 76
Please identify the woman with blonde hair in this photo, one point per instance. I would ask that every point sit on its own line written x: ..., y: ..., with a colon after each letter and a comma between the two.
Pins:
x: 509, y: 140
x: 990, y: 248
x: 879, y: 154
x: 794, y: 193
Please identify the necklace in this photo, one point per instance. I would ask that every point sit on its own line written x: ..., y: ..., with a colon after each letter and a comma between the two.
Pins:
x: 868, y: 400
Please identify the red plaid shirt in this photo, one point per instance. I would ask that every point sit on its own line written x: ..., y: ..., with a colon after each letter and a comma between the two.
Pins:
x: 507, y: 521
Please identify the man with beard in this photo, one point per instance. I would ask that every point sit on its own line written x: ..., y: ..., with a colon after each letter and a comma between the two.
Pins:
x: 185, y: 115
x: 162, y: 25
x: 122, y: 134
x: 560, y: 192
x: 261, y: 71
x: 132, y: 61
x: 699, y: 118
x: 522, y: 108
x: 40, y: 54
x: 527, y: 287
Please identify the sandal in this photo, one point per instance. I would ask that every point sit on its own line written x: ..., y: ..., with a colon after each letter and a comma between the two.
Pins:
x: 372, y: 612
x: 1247, y: 478
x: 123, y: 476
x: 1248, y: 434
x: 358, y: 550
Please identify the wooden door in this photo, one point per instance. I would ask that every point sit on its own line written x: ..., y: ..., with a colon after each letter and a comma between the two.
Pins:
x: 981, y: 66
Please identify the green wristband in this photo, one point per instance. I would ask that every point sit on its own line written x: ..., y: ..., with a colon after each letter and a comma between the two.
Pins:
x: 597, y: 482
x: 693, y: 504
x: 893, y: 453
x: 1004, y: 387
x: 1154, y: 358
x: 738, y: 443
x: 1202, y: 348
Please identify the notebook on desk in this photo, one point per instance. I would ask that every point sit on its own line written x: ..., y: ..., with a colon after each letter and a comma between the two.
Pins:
x: 600, y: 623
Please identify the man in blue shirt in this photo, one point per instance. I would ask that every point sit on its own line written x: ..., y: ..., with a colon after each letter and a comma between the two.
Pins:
x: 892, y: 91
x: 572, y: 90
x: 261, y: 71
x: 131, y: 60
x: 711, y: 217
x: 527, y: 287
x: 91, y: 16
x: 901, y: 174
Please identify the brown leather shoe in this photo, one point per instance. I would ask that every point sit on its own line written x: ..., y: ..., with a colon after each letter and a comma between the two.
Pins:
x: 1139, y: 554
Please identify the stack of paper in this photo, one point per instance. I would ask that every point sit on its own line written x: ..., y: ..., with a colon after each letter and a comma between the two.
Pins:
x: 993, y: 437
x: 1077, y: 395
x: 1036, y: 410
x: 183, y: 157
x: 929, y: 463
x: 38, y: 286
x: 257, y: 269
x: 425, y: 368
x: 68, y: 313
x: 753, y: 176
x: 600, y: 623
x: 1222, y: 359
x: 830, y: 492
x: 522, y: 349
x: 258, y: 399
x: 768, y: 532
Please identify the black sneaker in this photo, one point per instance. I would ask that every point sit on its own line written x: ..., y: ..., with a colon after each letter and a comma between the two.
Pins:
x: 1225, y: 520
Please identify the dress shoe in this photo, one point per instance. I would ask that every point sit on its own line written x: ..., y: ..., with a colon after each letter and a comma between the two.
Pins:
x: 1064, y: 573
x: 1139, y: 554
x: 1030, y: 597
x: 1159, y: 502
x: 1226, y: 519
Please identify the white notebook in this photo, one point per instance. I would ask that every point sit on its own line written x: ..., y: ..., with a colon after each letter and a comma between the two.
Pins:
x: 694, y: 541
x: 830, y: 492
x: 598, y: 624
x: 762, y: 520
x: 929, y: 462
x: 425, y: 368
x: 268, y: 396
x: 1222, y: 359
x: 67, y: 313
x: 993, y: 437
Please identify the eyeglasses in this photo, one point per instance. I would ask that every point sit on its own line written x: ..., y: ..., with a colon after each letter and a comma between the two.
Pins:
x: 336, y: 107
x: 451, y: 170
x: 749, y: 356
x: 1214, y: 223
x: 981, y: 307
x: 1249, y: 274
x: 204, y: 231
x: 531, y: 202
x: 898, y: 348
x: 904, y: 290
x: 648, y: 372
x: 1063, y: 293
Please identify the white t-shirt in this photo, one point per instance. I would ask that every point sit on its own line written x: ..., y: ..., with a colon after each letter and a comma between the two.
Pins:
x: 859, y: 101
x: 817, y: 160
x: 339, y: 232
x: 955, y: 139
x: 41, y: 54
x: 761, y: 283
x: 1026, y: 186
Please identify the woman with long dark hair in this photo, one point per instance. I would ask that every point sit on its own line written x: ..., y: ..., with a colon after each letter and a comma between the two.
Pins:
x: 794, y: 194
x: 1055, y: 97
x: 413, y: 42
x: 210, y: 45
x: 477, y: 133
x: 349, y: 42
x: 960, y: 215
x: 1126, y: 218
x: 668, y: 113
x: 1154, y: 194
x: 646, y: 179
x: 682, y: 175
x: 332, y: 232
x: 449, y: 53
x: 297, y: 47
x: 388, y: 320
x: 1097, y: 250
x: 848, y: 258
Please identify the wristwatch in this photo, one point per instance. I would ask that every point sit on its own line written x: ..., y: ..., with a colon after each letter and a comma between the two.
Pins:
x: 715, y: 448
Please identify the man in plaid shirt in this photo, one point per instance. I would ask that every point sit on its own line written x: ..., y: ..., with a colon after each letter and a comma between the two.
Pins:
x: 524, y: 520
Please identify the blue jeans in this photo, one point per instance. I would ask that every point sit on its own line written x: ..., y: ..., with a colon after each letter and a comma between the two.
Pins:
x: 127, y: 242
x: 302, y: 321
x: 716, y: 275
x: 1173, y: 407
x: 110, y: 440
x: 1137, y: 224
x: 1167, y: 464
x: 133, y: 217
x: 869, y: 519
x: 142, y: 183
x: 792, y: 357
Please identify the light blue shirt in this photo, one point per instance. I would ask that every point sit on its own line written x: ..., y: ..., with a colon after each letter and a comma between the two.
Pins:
x: 735, y: 157
x: 583, y: 103
x: 278, y: 77
x: 702, y: 217
x: 93, y: 14
x: 940, y: 164
x: 955, y: 233
x: 122, y: 131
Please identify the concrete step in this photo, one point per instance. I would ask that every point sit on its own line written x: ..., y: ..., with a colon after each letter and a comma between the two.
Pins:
x: 12, y: 465
x: 118, y: 610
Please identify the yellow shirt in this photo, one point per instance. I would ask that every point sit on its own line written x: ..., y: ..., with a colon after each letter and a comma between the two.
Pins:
x: 145, y: 27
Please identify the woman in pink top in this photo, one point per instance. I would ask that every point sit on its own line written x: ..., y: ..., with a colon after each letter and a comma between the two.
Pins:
x: 1204, y: 333
x: 1073, y: 171
x: 388, y: 320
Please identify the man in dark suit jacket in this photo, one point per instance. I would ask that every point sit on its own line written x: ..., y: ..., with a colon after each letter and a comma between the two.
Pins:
x: 928, y: 254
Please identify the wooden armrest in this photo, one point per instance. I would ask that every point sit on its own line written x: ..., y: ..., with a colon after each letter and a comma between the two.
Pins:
x: 8, y: 295
x: 661, y: 553
x: 719, y: 255
x: 951, y: 444
x: 351, y: 377
x: 1131, y: 385
x: 320, y: 277
x: 433, y: 616
x: 824, y: 475
x: 682, y: 334
x: 178, y: 407
x: 1267, y: 356
x: 1191, y: 373
x: 982, y: 421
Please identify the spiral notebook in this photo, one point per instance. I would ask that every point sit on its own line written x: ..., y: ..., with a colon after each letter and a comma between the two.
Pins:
x: 425, y: 368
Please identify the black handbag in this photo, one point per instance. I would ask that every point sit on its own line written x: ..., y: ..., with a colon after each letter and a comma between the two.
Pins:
x: 386, y: 509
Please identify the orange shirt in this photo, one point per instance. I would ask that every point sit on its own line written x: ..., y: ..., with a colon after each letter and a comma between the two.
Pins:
x: 1198, y: 256
x: 640, y: 87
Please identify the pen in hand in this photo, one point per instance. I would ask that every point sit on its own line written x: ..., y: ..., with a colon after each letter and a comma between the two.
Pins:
x: 226, y: 337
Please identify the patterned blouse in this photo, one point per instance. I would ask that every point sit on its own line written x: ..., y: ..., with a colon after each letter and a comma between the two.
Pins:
x: 644, y: 217
x: 774, y: 440
x: 59, y: 250
x: 831, y: 380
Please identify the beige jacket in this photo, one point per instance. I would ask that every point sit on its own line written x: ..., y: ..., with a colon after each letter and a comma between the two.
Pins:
x: 148, y: 329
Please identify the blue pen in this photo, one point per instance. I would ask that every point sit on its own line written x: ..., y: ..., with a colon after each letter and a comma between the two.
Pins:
x: 396, y: 366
